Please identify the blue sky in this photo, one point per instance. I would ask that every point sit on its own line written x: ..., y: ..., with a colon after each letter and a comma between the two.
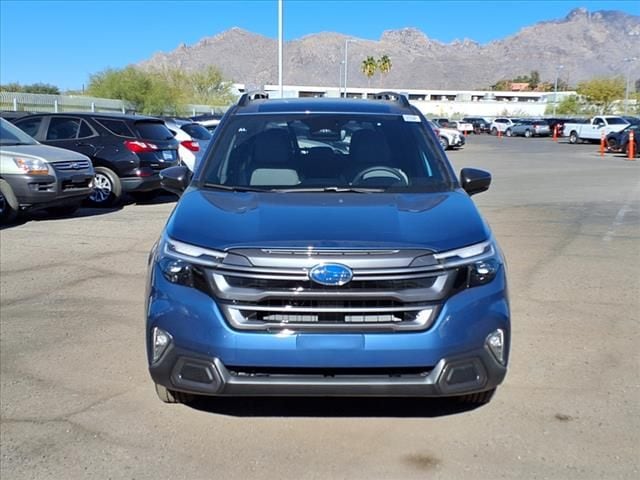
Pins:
x: 63, y: 42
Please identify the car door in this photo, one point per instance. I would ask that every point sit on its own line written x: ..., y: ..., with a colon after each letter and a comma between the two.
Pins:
x: 32, y: 126
x: 70, y: 132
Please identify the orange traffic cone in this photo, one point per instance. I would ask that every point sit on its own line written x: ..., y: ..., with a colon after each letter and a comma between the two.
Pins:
x: 631, y: 146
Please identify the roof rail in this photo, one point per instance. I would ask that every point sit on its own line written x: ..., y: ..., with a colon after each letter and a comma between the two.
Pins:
x: 394, y: 96
x: 253, y: 95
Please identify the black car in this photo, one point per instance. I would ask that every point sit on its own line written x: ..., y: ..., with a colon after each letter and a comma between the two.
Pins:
x: 624, y: 140
x: 616, y: 141
x: 127, y: 151
x: 480, y: 125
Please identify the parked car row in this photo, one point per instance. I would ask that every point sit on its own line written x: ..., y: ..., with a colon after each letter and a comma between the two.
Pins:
x: 117, y: 153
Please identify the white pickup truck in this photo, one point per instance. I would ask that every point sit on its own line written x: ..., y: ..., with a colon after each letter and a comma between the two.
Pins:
x: 591, y: 130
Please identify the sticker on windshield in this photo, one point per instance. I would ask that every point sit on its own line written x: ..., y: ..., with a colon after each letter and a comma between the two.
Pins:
x: 411, y: 118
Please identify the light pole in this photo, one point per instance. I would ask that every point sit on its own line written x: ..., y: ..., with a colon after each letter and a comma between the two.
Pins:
x: 629, y: 61
x: 555, y: 89
x: 346, y: 63
x: 340, y: 79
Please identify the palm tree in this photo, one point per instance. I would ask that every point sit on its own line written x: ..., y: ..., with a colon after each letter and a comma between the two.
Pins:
x: 369, y: 67
x: 384, y: 65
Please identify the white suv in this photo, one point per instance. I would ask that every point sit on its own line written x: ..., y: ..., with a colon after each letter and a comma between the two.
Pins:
x: 502, y: 125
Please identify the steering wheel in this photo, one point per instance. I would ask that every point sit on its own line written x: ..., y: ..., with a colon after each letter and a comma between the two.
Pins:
x: 391, y: 172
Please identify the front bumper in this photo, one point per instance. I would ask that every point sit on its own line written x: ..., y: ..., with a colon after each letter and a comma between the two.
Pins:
x: 44, y: 191
x: 206, y: 356
x: 472, y: 372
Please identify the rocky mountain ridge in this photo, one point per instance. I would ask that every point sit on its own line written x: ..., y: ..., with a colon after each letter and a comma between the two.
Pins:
x: 587, y: 44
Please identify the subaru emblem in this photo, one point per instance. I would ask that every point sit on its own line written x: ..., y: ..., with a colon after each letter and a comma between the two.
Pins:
x: 331, y: 274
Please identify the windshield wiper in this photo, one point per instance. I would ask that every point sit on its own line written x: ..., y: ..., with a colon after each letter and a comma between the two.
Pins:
x: 330, y: 190
x: 233, y: 188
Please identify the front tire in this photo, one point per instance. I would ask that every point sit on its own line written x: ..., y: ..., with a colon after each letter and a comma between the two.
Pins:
x: 527, y: 133
x: 494, y: 131
x: 444, y: 143
x: 107, y: 188
x: 8, y: 203
x: 508, y: 132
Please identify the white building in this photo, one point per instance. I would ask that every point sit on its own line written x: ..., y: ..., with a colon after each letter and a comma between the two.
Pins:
x: 440, y: 103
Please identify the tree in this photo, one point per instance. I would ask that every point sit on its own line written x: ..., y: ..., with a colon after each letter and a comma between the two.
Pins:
x: 161, y: 91
x: 384, y: 65
x: 602, y: 92
x: 567, y: 106
x: 32, y: 88
x: 369, y: 67
x: 534, y: 79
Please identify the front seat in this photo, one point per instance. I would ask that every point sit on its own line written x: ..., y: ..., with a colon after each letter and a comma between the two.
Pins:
x: 368, y: 148
x: 273, y: 160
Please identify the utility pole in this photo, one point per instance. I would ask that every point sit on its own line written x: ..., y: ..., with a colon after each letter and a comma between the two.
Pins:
x: 555, y: 89
x: 628, y: 61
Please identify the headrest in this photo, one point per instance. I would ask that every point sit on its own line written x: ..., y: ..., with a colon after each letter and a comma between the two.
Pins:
x: 272, y: 147
x: 369, y: 148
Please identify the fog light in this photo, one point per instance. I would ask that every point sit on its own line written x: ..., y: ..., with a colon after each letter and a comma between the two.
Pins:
x: 161, y: 341
x: 495, y: 342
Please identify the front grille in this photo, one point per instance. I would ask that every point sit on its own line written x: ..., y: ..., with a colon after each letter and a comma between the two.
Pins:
x: 271, y: 290
x: 72, y: 165
x: 307, y: 285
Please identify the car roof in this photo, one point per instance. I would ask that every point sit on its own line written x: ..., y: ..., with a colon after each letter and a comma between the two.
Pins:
x: 119, y: 116
x: 324, y: 105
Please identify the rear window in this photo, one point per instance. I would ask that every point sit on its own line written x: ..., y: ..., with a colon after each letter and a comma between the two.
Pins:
x: 153, y: 130
x: 117, y: 127
x: 617, y: 121
x: 197, y: 131
x: 30, y: 125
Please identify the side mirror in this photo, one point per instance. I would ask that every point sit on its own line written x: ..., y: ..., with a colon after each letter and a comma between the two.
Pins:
x: 474, y: 181
x: 175, y: 179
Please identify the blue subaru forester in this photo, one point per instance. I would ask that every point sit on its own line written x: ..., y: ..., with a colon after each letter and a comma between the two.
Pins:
x: 326, y: 247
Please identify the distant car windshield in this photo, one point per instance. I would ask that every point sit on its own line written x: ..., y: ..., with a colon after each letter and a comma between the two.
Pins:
x: 327, y: 152
x: 197, y: 131
x: 617, y: 121
x: 12, y: 135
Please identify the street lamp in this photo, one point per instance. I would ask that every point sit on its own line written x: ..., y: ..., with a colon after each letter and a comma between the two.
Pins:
x: 346, y: 63
x: 555, y: 89
x: 629, y: 61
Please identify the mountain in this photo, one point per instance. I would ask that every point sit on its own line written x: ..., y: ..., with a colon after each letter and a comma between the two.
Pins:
x: 586, y: 43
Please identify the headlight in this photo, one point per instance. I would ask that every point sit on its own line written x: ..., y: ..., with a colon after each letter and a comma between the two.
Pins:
x: 184, y: 264
x: 483, y: 261
x: 32, y: 166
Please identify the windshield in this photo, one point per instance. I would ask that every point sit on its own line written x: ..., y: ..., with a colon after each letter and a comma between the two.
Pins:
x: 12, y: 135
x: 327, y: 152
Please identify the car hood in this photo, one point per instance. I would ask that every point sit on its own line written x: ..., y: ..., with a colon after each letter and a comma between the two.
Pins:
x: 224, y: 220
x: 45, y: 152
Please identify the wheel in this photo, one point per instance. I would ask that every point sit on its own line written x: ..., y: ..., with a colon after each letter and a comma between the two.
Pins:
x: 8, y: 203
x: 612, y: 144
x: 171, y: 396
x: 573, y: 137
x: 480, y: 398
x: 508, y: 132
x: 444, y: 142
x: 107, y: 188
x: 494, y: 131
x: 65, y: 211
x: 527, y: 133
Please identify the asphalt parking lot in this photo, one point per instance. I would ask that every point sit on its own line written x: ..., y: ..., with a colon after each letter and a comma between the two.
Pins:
x: 76, y: 400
